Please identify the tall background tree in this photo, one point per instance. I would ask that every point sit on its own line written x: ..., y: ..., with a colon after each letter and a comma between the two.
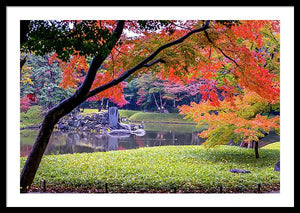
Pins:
x: 42, y: 80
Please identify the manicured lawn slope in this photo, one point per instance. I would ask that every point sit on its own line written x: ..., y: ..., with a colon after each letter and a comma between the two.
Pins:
x: 275, y: 146
x: 159, y: 169
x: 159, y: 117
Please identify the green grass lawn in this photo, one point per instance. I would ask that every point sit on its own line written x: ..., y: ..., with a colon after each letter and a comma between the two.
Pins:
x: 159, y: 117
x: 275, y: 146
x: 127, y: 113
x: 160, y: 169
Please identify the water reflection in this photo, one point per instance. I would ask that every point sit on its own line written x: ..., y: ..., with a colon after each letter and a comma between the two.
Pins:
x: 78, y: 142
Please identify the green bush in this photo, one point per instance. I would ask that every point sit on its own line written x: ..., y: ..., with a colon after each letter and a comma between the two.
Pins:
x: 33, y: 117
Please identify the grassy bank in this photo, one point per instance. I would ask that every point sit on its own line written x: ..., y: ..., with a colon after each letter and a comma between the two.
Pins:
x: 160, y: 169
x: 159, y: 117
x: 275, y: 146
x: 32, y: 118
x: 146, y: 116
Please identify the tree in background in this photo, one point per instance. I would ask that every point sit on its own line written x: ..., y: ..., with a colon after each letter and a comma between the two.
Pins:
x: 183, y: 93
x: 24, y: 104
x: 164, y: 95
x: 43, y: 82
x: 151, y: 90
x: 130, y: 94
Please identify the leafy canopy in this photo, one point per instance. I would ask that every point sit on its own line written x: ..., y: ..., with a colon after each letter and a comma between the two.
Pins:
x: 236, y: 61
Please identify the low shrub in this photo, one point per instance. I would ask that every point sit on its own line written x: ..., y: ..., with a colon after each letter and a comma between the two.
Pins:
x: 33, y: 117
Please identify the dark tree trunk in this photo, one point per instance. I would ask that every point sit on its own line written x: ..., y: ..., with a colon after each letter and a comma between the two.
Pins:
x: 36, y: 153
x: 251, y: 145
x: 256, y: 149
x: 57, y: 112
x: 42, y: 139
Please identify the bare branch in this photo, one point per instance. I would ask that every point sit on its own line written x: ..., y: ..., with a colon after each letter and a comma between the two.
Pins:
x: 120, y: 51
x: 228, y: 57
x: 208, y: 38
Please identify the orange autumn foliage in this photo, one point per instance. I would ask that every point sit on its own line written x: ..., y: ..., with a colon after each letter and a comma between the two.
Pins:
x: 243, y: 120
x: 234, y: 58
x: 74, y: 72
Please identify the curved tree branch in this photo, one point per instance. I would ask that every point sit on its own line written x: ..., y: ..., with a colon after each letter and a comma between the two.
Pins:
x: 98, y: 60
x: 208, y: 38
x: 144, y: 63
x: 78, y: 97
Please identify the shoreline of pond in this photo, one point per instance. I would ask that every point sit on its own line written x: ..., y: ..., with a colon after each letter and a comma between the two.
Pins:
x: 132, y: 121
x: 70, y: 142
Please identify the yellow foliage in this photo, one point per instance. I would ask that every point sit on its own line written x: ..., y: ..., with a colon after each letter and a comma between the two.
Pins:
x: 25, y: 75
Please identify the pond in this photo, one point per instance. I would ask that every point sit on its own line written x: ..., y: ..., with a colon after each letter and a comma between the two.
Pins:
x: 80, y: 142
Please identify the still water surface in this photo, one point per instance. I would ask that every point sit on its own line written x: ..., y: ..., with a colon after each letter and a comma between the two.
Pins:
x: 80, y: 142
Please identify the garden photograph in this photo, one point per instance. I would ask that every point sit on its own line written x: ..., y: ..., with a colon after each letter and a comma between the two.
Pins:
x: 151, y: 108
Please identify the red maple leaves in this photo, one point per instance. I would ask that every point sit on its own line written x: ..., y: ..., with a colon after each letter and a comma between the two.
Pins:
x: 230, y: 58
